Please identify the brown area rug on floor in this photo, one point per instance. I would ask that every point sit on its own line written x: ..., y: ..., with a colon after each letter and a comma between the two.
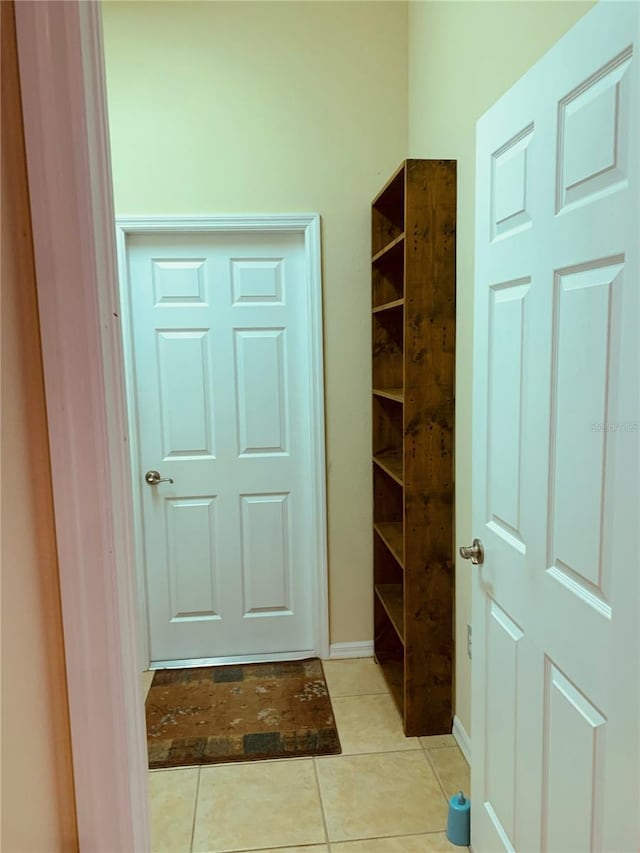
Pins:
x: 239, y: 713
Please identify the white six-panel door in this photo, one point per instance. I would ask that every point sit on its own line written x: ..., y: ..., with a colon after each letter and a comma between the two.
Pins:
x: 223, y: 381
x: 556, y: 607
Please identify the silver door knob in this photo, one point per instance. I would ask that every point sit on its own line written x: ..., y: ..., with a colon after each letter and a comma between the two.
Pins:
x: 474, y: 552
x: 153, y: 478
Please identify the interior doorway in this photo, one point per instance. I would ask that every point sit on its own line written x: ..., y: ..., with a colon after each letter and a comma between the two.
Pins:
x: 221, y: 326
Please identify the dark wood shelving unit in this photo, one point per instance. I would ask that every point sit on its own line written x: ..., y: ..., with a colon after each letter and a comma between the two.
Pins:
x: 391, y: 596
x: 391, y: 534
x: 396, y: 242
x: 391, y: 463
x: 388, y: 306
x: 395, y: 394
x: 413, y: 226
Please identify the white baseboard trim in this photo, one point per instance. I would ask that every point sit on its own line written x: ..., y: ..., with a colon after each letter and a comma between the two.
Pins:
x: 462, y: 739
x: 350, y: 650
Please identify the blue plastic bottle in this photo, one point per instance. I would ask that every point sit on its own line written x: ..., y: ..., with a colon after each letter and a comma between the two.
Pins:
x: 459, y: 820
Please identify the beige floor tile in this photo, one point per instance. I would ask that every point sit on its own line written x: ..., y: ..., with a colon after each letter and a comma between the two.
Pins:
x: 394, y: 793
x: 315, y: 848
x: 370, y: 724
x: 437, y: 741
x: 258, y: 805
x: 452, y: 769
x: 172, y: 796
x: 432, y: 843
x: 146, y: 679
x: 354, y: 677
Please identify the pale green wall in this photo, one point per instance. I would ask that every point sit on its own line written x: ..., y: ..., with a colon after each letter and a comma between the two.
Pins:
x: 462, y: 57
x: 222, y: 107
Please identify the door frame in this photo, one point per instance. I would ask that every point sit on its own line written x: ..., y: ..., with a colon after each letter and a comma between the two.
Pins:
x: 308, y: 226
x: 63, y: 94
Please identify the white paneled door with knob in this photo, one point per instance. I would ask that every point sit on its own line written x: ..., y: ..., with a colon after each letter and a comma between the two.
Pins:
x: 224, y: 379
x: 556, y: 597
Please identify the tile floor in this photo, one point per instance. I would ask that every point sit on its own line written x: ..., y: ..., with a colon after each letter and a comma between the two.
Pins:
x: 384, y: 794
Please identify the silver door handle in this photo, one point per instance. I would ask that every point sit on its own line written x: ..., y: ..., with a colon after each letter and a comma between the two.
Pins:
x: 474, y: 552
x: 153, y: 478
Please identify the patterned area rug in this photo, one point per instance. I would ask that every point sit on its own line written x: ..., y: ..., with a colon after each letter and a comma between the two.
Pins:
x: 238, y: 713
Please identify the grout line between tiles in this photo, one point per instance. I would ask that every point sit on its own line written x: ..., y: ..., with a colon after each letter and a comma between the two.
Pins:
x: 173, y: 769
x: 280, y: 760
x: 270, y: 849
x: 383, y: 837
x: 322, y: 809
x: 437, y: 775
x: 292, y: 758
x: 372, y: 752
x: 232, y: 763
x: 195, y: 810
x: 394, y: 751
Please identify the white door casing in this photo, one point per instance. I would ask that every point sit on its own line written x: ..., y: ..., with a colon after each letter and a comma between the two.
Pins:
x: 65, y: 118
x: 224, y: 360
x: 556, y: 673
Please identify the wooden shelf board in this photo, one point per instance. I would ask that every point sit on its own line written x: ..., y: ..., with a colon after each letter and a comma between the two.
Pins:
x: 391, y: 534
x: 388, y: 306
x: 388, y: 248
x: 392, y: 599
x: 395, y: 394
x: 391, y: 464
